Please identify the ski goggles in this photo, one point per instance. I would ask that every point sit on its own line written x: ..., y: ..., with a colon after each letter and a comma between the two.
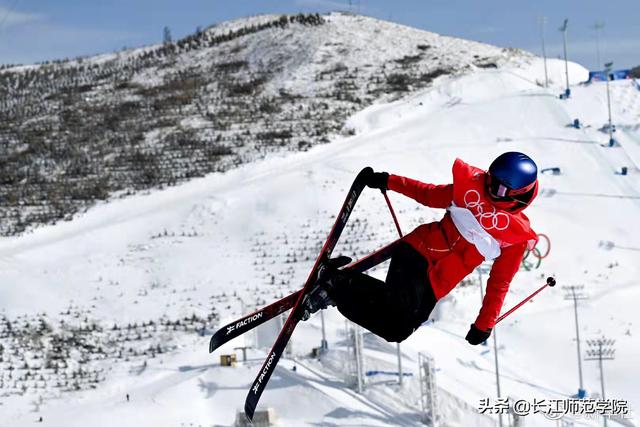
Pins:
x: 498, y: 191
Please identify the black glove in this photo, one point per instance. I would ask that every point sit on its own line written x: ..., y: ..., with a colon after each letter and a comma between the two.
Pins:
x: 378, y: 180
x: 475, y: 336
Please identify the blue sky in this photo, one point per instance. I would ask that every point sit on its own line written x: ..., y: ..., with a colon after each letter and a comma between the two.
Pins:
x: 37, y: 30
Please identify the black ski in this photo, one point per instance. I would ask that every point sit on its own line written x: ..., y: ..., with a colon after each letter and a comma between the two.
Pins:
x: 271, y: 361
x: 258, y: 317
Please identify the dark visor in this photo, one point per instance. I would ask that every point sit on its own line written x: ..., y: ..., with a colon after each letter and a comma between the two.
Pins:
x: 498, y: 190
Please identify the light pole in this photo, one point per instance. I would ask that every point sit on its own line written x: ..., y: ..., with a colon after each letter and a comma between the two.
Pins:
x: 597, y: 27
x: 607, y: 72
x: 358, y: 348
x: 601, y: 349
x: 575, y: 293
x: 486, y: 269
x: 324, y: 346
x: 495, y: 352
x: 428, y: 389
x: 399, y: 364
x: 482, y: 269
x: 543, y: 21
x: 567, y: 91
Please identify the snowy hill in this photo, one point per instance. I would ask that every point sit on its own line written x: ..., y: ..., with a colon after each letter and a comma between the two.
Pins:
x: 122, y: 299
x: 74, y: 132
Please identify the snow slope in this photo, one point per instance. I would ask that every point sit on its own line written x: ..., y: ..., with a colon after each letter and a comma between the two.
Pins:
x: 247, y: 236
x: 246, y: 88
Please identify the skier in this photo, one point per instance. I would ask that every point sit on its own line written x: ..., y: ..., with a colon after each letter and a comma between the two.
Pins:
x: 484, y: 220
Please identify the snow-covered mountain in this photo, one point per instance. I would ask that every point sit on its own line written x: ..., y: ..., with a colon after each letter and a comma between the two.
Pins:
x: 73, y: 132
x: 106, y: 317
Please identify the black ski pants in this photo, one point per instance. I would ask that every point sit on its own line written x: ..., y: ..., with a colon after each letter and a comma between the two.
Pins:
x: 392, y: 309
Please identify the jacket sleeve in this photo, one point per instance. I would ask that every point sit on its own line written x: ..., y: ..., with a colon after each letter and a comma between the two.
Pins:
x: 432, y: 195
x: 504, y: 269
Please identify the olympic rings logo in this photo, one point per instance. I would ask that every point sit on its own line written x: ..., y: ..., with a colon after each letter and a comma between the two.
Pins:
x: 487, y: 216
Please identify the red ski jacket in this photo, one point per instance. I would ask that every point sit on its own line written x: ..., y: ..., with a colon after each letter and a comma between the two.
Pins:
x: 471, y: 230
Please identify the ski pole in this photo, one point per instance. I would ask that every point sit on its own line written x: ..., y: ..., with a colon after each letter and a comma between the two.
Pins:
x: 550, y: 282
x: 393, y: 214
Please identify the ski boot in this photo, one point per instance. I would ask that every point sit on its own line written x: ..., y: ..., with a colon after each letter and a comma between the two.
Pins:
x: 319, y: 297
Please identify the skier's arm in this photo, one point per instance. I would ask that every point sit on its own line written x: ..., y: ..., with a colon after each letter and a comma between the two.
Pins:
x: 504, y: 269
x: 432, y: 195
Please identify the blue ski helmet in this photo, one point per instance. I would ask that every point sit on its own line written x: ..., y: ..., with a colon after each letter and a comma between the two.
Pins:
x: 512, y: 176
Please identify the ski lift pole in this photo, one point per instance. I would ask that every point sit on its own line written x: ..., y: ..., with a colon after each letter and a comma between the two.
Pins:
x: 550, y: 282
x: 395, y: 220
